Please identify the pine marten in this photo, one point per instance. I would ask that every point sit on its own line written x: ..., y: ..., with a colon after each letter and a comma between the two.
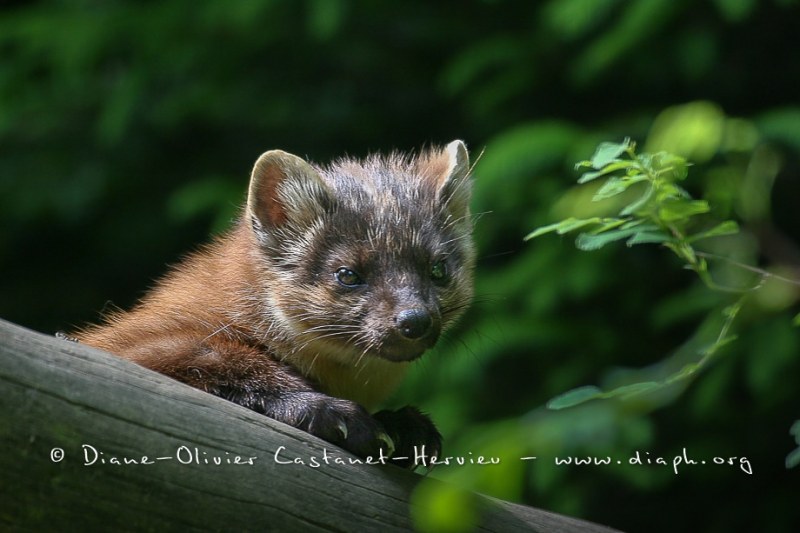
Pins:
x: 311, y: 308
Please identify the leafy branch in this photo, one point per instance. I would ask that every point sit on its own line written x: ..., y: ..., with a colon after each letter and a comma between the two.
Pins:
x: 662, y: 213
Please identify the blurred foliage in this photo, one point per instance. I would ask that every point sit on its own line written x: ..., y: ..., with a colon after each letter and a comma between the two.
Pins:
x: 127, y: 131
x: 654, y: 210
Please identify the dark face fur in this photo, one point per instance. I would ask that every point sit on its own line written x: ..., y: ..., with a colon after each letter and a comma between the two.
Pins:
x: 373, y: 258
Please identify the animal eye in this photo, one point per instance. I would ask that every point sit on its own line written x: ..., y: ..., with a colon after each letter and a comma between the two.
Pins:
x: 347, y: 277
x: 439, y: 271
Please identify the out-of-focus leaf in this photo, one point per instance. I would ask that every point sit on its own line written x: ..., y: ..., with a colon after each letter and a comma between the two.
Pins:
x: 608, y: 153
x: 325, y: 17
x: 795, y: 431
x: 736, y: 10
x: 438, y: 506
x: 564, y: 226
x: 729, y: 227
x: 628, y: 391
x: 694, y: 130
x: 607, y: 169
x: 574, y: 397
x: 639, y: 203
x: 793, y: 459
x: 679, y: 209
x: 670, y: 165
x: 782, y: 124
x: 590, y: 241
x: 648, y: 237
x: 574, y: 18
x: 638, y: 22
x: 212, y: 195
x: 475, y: 61
x: 612, y: 187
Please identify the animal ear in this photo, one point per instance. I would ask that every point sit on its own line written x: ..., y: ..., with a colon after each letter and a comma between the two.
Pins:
x: 454, y: 187
x: 285, y: 189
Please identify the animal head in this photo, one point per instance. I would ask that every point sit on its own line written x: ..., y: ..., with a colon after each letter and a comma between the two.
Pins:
x: 368, y: 257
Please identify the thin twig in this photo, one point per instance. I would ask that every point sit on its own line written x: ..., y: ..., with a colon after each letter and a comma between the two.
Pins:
x: 750, y: 268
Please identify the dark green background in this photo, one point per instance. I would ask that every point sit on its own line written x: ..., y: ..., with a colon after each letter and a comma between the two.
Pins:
x: 128, y: 129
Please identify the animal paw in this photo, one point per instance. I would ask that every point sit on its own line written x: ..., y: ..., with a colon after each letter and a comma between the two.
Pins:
x: 413, y: 433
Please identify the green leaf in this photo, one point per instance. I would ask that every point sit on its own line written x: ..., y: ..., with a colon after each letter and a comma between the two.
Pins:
x: 648, y: 237
x: 574, y: 397
x: 610, y: 188
x: 608, y: 153
x: 571, y: 224
x: 678, y: 209
x: 686, y: 371
x: 611, y: 223
x: 718, y: 345
x: 608, y: 169
x: 543, y: 230
x: 638, y: 204
x: 589, y: 176
x: 615, y: 185
x: 632, y: 223
x: 671, y: 191
x: 590, y: 392
x: 564, y: 226
x: 628, y: 391
x: 729, y: 227
x: 633, y: 178
x: 732, y: 310
x: 670, y: 166
x: 643, y: 226
x: 595, y: 241
x: 796, y: 321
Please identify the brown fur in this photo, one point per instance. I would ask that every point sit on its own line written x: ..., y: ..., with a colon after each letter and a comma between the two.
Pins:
x: 262, y: 316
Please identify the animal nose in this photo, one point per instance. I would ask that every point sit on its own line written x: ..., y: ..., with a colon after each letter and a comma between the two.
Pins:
x: 414, y: 323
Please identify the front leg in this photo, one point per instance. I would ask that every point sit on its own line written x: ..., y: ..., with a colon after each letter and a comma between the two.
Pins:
x: 245, y: 375
x: 338, y: 421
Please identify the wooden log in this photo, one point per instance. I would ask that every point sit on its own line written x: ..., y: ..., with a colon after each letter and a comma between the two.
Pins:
x: 93, y: 442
